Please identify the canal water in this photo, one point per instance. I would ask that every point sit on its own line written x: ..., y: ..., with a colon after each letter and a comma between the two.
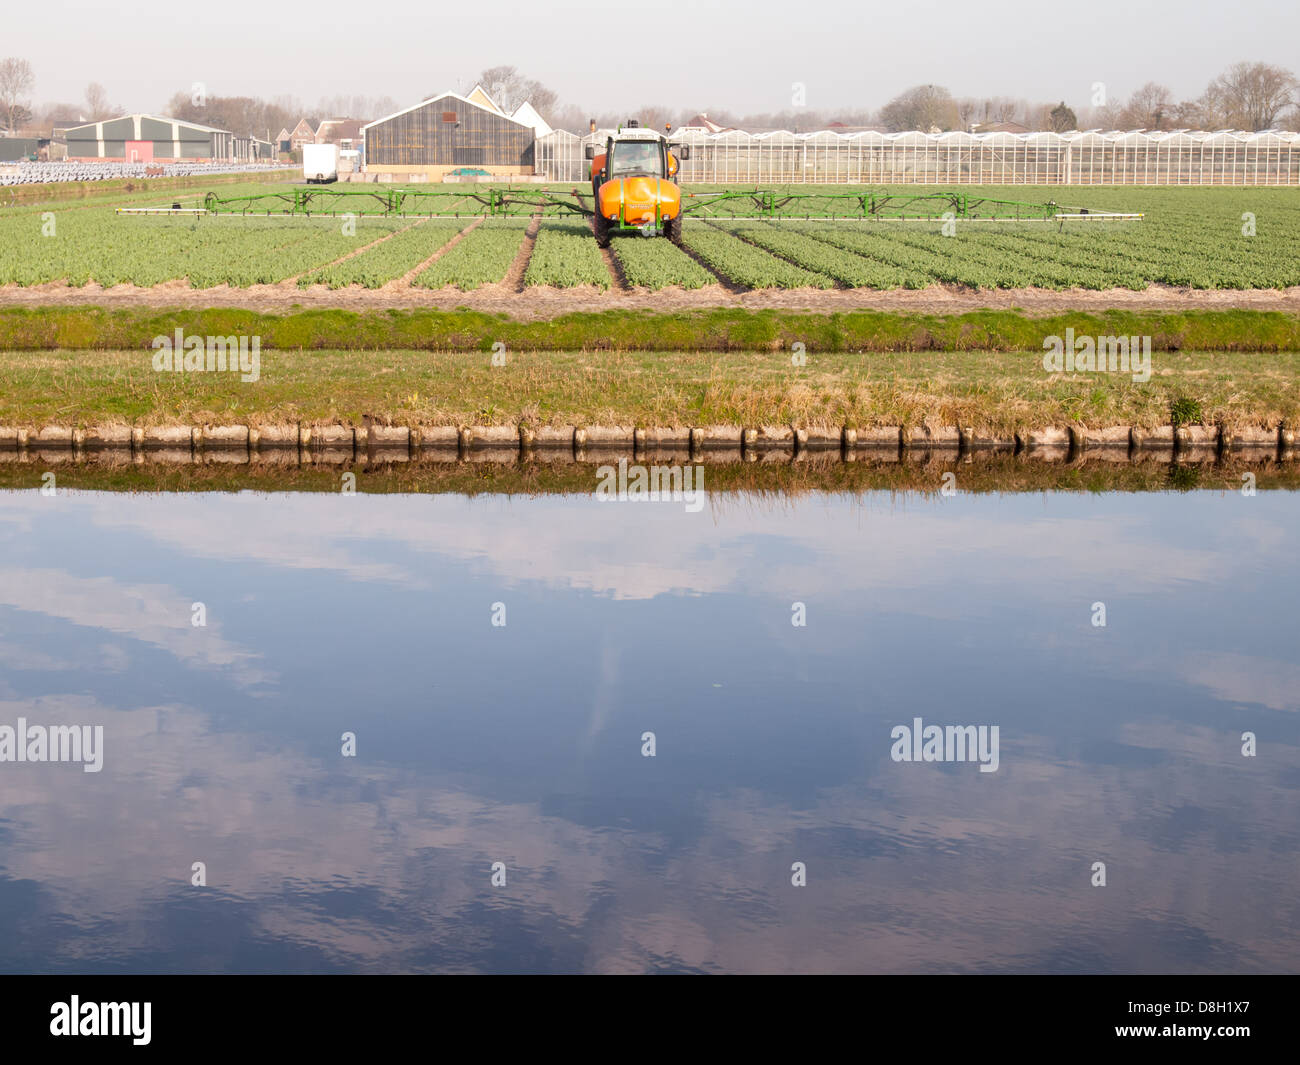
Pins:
x: 332, y: 733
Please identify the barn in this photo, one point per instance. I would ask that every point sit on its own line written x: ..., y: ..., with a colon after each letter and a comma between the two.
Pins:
x: 444, y: 133
x: 144, y: 138
x: 14, y: 148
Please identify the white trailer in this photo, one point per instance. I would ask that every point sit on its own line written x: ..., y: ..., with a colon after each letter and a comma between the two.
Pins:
x: 320, y: 163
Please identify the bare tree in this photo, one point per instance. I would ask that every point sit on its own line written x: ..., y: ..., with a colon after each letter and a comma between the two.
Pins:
x: 97, y: 105
x: 362, y: 107
x: 1195, y: 114
x: 243, y: 114
x: 1107, y: 116
x: 1150, y: 107
x: 654, y: 116
x: 509, y: 88
x: 1000, y: 109
x: 502, y: 83
x: 1251, y: 95
x: 572, y: 117
x: 16, y: 81
x: 923, y: 108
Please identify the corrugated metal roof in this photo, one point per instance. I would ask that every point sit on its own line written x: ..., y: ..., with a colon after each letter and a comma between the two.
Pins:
x: 152, y: 118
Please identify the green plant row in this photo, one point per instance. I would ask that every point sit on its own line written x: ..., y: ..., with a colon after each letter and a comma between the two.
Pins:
x: 565, y: 255
x: 482, y: 257
x: 656, y: 264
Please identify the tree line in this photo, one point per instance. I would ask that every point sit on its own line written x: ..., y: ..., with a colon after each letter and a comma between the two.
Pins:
x: 1248, y: 96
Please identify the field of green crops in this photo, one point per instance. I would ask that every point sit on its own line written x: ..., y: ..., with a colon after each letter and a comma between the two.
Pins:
x: 1197, y: 238
x: 1190, y: 237
x: 565, y: 255
x: 656, y: 264
x: 482, y: 257
x: 91, y: 245
x: 390, y: 259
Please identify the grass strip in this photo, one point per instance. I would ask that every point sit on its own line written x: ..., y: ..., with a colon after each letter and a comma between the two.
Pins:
x: 998, y: 392
x: 88, y: 328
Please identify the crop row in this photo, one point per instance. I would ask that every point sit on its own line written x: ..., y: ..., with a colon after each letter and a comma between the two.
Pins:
x: 389, y: 259
x: 846, y: 267
x: 967, y: 258
x: 565, y: 256
x: 655, y: 264
x: 483, y: 256
x: 745, y: 264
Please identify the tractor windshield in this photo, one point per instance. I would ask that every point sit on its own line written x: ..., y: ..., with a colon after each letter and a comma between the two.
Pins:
x: 636, y: 157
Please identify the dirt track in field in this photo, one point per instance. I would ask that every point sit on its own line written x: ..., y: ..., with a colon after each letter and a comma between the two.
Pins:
x: 538, y: 303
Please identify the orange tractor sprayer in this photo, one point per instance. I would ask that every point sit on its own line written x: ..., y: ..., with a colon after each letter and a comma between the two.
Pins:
x: 634, y: 185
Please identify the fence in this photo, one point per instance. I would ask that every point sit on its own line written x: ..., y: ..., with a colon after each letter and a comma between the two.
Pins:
x: 869, y: 158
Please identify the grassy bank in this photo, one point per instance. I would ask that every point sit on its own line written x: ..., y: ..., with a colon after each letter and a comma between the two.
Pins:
x: 987, y: 390
x: 716, y: 330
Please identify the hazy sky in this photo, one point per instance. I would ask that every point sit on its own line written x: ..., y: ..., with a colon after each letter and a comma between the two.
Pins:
x: 742, y: 57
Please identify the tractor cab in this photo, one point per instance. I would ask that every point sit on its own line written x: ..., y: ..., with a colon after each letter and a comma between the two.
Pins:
x: 634, y: 184
x: 628, y: 157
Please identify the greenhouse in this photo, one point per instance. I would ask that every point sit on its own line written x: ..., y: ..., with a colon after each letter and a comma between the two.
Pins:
x: 1178, y: 157
x: 445, y: 133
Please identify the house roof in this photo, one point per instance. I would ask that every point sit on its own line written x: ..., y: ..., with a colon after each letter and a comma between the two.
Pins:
x: 527, y: 114
x: 479, y: 95
x: 703, y: 121
x: 153, y: 118
x: 340, y: 129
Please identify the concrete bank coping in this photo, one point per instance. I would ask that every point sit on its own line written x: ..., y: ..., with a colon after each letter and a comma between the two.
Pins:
x: 1116, y: 443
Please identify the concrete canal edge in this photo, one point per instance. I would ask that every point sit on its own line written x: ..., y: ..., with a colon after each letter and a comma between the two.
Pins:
x: 720, y: 442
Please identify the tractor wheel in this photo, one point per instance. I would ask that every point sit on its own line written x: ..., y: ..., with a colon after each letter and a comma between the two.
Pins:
x: 673, y: 229
x: 600, y: 226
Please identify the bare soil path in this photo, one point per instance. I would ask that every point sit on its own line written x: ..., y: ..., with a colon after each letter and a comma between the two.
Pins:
x: 617, y: 280
x: 514, y: 280
x: 511, y: 297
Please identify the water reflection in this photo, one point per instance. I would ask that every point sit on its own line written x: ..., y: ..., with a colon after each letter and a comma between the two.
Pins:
x: 522, y: 744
